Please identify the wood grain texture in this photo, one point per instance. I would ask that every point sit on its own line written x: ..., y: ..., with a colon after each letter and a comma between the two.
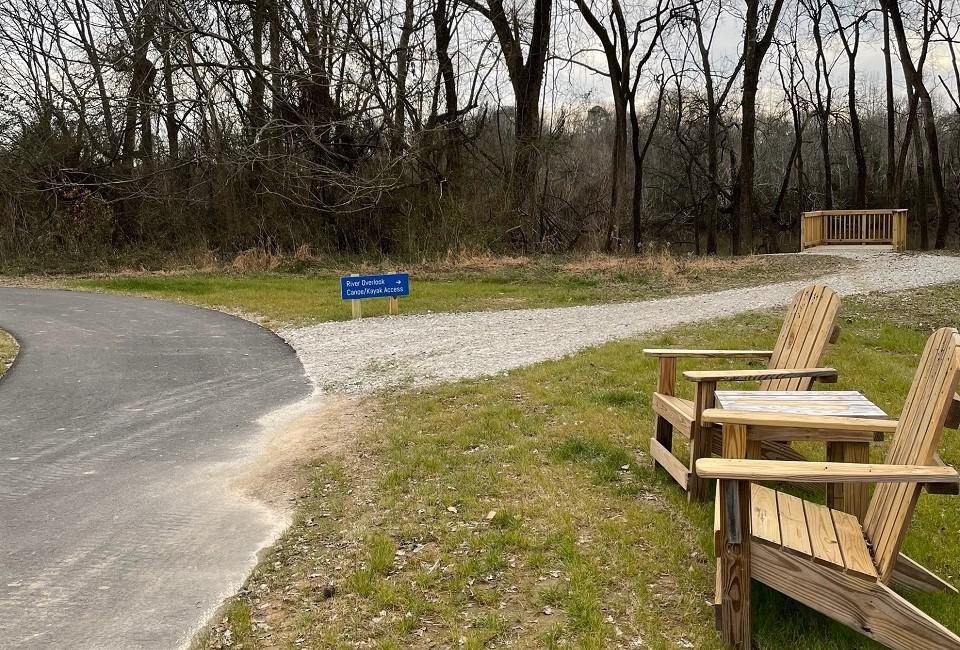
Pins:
x: 678, y: 412
x: 707, y: 354
x: 849, y: 497
x: 759, y: 375
x: 911, y: 575
x: 804, y: 337
x: 918, y: 435
x: 665, y: 459
x: 823, y: 538
x: 794, y: 531
x: 825, y: 422
x: 823, y: 403
x: 765, y: 519
x: 815, y: 472
x: 666, y: 375
x: 856, y: 556
x: 867, y: 606
x: 701, y: 440
x: 735, y: 555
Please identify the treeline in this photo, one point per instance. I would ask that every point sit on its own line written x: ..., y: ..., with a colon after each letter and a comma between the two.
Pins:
x: 410, y: 127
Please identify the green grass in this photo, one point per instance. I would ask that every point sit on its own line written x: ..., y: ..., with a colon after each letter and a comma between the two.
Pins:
x: 8, y: 350
x: 475, y: 285
x: 523, y: 510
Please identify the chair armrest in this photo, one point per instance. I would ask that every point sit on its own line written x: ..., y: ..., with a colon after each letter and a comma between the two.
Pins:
x: 706, y: 354
x: 782, y: 420
x: 827, y: 375
x: 736, y: 469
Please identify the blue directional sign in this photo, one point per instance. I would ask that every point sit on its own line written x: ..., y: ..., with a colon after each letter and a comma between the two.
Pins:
x: 388, y: 285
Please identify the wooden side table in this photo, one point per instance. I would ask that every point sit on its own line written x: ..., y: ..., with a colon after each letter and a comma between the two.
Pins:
x: 848, y: 497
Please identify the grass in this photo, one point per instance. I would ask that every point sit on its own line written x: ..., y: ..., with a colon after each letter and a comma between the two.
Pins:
x: 8, y: 350
x: 304, y: 293
x: 523, y: 510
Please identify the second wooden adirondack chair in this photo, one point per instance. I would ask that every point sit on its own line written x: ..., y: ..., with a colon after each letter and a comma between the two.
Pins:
x: 810, y: 324
x: 823, y: 558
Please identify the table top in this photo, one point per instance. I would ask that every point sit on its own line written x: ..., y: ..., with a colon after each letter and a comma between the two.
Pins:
x: 845, y: 403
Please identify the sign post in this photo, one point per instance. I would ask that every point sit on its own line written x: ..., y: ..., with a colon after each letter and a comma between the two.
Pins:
x: 357, y: 287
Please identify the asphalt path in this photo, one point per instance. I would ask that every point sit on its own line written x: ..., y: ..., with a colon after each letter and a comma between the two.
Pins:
x: 122, y: 423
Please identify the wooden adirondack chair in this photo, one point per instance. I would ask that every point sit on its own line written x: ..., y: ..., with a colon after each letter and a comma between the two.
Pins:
x: 826, y: 559
x: 810, y: 324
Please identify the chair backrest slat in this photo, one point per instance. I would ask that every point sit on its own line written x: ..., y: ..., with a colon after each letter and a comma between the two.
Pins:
x: 915, y: 443
x: 804, y: 336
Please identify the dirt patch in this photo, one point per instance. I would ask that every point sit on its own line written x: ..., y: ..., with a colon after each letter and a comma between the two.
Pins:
x: 324, y: 426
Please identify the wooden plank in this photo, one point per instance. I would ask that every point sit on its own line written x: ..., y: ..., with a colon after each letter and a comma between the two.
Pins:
x: 856, y: 556
x: 735, y: 563
x: 734, y: 441
x: 794, y: 535
x: 849, y: 497
x: 921, y: 427
x: 716, y: 522
x: 707, y: 354
x: 821, y: 472
x: 866, y: 606
x: 701, y: 440
x: 666, y: 384
x: 758, y: 375
x: 912, y: 575
x: 732, y: 397
x: 669, y: 462
x: 823, y: 538
x: 666, y: 375
x: 394, y: 306
x: 825, y: 402
x: 718, y: 594
x: 676, y: 411
x: 819, y: 307
x: 833, y: 423
x: 786, y: 434
x: 765, y: 521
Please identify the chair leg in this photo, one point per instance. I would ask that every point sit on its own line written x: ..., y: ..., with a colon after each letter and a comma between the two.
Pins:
x: 734, y: 560
x: 701, y: 441
x: 908, y: 574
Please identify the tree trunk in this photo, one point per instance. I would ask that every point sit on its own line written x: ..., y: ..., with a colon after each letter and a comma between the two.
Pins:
x: 914, y: 77
x: 920, y: 196
x: 754, y: 49
x: 169, y: 95
x: 823, y: 111
x: 403, y: 66
x: 856, y: 134
x: 892, y: 190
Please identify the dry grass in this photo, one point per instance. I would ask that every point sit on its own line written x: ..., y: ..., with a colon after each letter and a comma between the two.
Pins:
x: 296, y: 292
x: 8, y: 351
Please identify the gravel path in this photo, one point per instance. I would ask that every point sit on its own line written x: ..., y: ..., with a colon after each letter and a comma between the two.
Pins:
x: 366, y: 355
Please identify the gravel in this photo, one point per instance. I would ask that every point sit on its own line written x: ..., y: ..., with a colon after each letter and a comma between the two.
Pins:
x: 376, y: 353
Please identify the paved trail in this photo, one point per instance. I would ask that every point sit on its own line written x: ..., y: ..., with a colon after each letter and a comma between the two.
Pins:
x: 120, y: 425
x: 361, y: 356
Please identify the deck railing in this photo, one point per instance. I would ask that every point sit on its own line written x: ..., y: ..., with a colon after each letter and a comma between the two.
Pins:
x: 825, y: 227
